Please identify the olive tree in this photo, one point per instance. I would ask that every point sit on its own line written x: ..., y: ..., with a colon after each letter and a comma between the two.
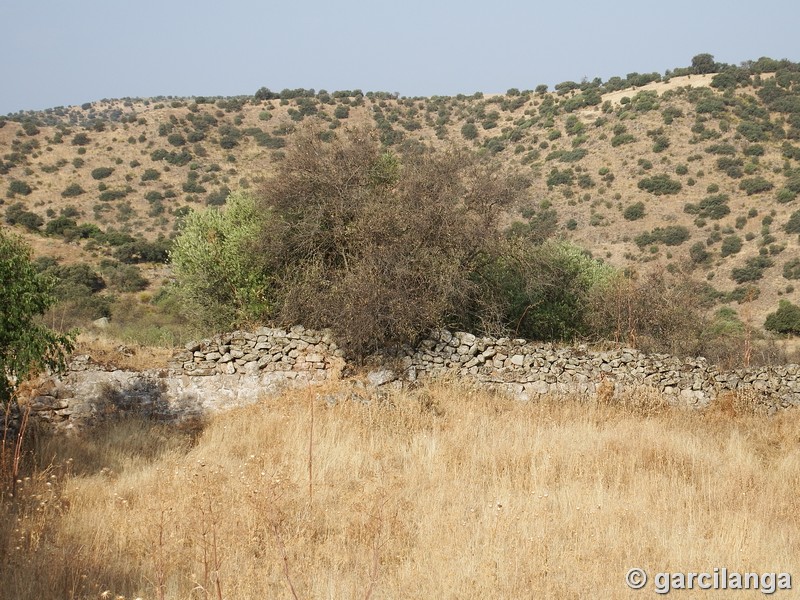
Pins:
x: 218, y: 278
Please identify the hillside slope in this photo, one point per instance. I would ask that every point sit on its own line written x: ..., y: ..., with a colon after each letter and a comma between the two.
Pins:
x: 698, y: 174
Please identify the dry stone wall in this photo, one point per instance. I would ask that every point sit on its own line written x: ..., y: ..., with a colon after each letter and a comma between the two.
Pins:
x: 238, y: 368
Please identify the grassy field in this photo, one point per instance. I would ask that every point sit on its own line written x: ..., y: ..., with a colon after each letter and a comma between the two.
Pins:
x: 437, y: 493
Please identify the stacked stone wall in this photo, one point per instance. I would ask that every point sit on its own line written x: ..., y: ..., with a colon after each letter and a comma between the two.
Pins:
x: 238, y: 368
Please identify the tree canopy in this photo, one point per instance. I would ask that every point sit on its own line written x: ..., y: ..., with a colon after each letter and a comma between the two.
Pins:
x: 26, y: 345
x: 381, y: 247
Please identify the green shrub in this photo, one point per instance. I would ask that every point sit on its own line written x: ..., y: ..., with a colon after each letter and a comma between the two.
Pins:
x: 712, y: 207
x: 661, y: 143
x: 755, y: 185
x: 660, y: 184
x: 80, y: 139
x: 151, y: 175
x: 102, y: 172
x: 110, y: 195
x: 724, y: 148
x: 785, y: 320
x: 60, y: 225
x: 469, y: 131
x: 177, y: 139
x: 681, y: 170
x: 567, y: 156
x: 731, y: 166
x: 17, y: 215
x: 623, y: 138
x: 791, y: 269
x: 793, y: 224
x: 17, y: 187
x: 634, y: 211
x: 28, y: 346
x: 557, y: 177
x: 72, y: 190
x: 753, y: 269
x: 140, y: 250
x: 671, y: 113
x: 698, y: 253
x: 731, y: 244
x: 672, y: 235
x: 123, y: 277
x: 754, y: 150
x: 752, y: 132
x: 743, y: 293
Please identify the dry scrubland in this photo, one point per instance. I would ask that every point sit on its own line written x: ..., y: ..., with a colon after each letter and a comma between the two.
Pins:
x: 437, y: 493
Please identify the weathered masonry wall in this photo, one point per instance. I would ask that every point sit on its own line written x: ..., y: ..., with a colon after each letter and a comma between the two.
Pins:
x: 237, y: 368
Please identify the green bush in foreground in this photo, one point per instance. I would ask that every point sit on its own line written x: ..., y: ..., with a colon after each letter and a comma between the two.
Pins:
x: 26, y: 346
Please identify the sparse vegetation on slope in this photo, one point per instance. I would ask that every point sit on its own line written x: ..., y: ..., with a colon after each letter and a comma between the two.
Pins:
x: 698, y: 149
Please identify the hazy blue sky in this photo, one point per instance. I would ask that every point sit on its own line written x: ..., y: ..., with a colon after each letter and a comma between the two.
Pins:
x: 63, y: 52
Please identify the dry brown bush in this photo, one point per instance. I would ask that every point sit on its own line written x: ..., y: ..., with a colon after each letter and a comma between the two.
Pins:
x: 379, y: 248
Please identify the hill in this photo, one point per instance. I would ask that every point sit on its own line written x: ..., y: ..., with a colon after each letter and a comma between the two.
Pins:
x: 695, y: 173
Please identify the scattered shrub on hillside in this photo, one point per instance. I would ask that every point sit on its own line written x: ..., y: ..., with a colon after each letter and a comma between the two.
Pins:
x: 150, y: 175
x: 634, y: 212
x: 731, y: 244
x: 712, y: 207
x: 791, y: 269
x: 698, y: 253
x: 622, y: 138
x: 754, y: 150
x: 558, y: 177
x: 72, y: 190
x: 755, y: 185
x: 671, y: 235
x: 753, y: 269
x: 751, y: 131
x: 134, y: 251
x: 743, y: 293
x: 17, y: 215
x: 17, y: 187
x: 102, y: 172
x: 177, y: 139
x: 123, y: 277
x: 785, y: 320
x: 660, y: 143
x: 793, y: 224
x: 725, y: 149
x: 731, y: 166
x: 80, y: 139
x: 671, y: 113
x: 660, y: 184
x: 785, y: 195
x: 111, y: 195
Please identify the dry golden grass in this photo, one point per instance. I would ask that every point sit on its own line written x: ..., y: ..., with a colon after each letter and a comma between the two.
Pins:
x: 111, y: 354
x: 440, y: 493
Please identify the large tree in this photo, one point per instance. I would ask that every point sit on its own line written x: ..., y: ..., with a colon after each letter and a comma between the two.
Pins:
x: 27, y: 346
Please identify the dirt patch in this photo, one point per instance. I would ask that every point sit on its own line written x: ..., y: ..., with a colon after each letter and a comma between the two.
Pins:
x: 661, y: 87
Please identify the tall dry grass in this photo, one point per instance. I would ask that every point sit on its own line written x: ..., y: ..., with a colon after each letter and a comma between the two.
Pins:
x: 440, y: 493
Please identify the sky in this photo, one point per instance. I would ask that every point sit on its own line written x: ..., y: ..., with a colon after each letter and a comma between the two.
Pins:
x: 62, y: 53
